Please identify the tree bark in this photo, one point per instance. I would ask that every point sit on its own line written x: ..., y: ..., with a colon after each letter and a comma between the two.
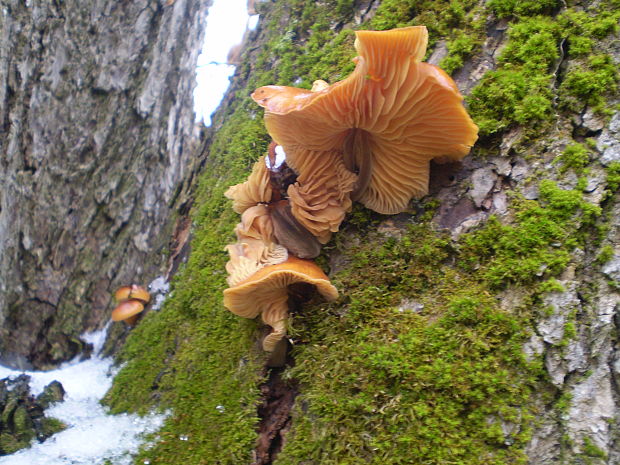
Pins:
x: 97, y: 133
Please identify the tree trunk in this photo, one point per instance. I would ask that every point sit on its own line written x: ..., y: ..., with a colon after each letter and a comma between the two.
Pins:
x: 97, y: 133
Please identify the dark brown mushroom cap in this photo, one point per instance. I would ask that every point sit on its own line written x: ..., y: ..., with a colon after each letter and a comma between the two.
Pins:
x: 409, y: 111
x: 290, y: 233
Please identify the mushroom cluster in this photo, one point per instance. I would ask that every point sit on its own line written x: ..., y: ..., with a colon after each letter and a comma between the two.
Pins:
x: 367, y: 138
x: 131, y: 301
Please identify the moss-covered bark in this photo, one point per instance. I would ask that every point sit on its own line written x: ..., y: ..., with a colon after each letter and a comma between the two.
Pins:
x: 447, y: 346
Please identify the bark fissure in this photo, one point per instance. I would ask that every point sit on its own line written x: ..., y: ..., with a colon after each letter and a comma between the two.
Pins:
x: 278, y: 396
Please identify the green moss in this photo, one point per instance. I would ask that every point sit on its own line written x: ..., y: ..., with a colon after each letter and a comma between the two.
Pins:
x: 386, y: 383
x: 589, y: 449
x: 538, y: 244
x: 570, y: 330
x: 606, y: 254
x: 19, y: 430
x: 437, y: 15
x: 520, y: 90
x: 459, y: 48
x: 563, y: 403
x: 575, y: 157
x: 584, y: 29
x: 50, y: 426
x: 519, y: 8
x: 613, y: 177
x: 591, y: 82
x: 550, y: 285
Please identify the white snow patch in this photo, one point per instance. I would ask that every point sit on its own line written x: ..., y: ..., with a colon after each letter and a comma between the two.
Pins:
x: 92, y: 435
x: 280, y: 158
x: 253, y: 22
x: 159, y: 288
x: 227, y: 22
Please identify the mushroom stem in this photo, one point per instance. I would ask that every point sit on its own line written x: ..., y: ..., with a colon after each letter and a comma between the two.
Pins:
x: 275, y: 317
x: 358, y: 159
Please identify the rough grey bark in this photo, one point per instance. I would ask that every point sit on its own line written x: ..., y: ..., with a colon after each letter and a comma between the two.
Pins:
x: 97, y: 127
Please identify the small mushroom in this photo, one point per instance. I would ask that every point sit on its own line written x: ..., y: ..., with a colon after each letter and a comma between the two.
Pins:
x: 132, y: 292
x: 128, y: 311
x: 249, y: 256
x: 256, y: 223
x: 387, y: 120
x: 255, y: 247
x: 131, y: 301
x: 266, y: 293
x: 321, y: 197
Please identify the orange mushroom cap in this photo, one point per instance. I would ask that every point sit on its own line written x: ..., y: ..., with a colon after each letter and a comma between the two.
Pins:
x: 266, y: 293
x: 406, y: 112
x: 127, y: 311
x: 132, y: 292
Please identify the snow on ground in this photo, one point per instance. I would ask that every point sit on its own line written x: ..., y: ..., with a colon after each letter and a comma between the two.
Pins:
x: 92, y: 435
x: 226, y: 24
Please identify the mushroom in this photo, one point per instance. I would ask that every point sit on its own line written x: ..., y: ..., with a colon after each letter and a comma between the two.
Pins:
x: 321, y: 198
x: 266, y: 214
x: 266, y: 293
x: 131, y: 301
x: 132, y: 292
x: 257, y: 189
x: 386, y: 120
x: 128, y: 311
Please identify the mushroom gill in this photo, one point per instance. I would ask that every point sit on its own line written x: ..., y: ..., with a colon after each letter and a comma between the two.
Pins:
x: 321, y: 196
x: 256, y: 189
x: 266, y: 214
x: 387, y: 119
x: 266, y: 293
x: 255, y: 247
